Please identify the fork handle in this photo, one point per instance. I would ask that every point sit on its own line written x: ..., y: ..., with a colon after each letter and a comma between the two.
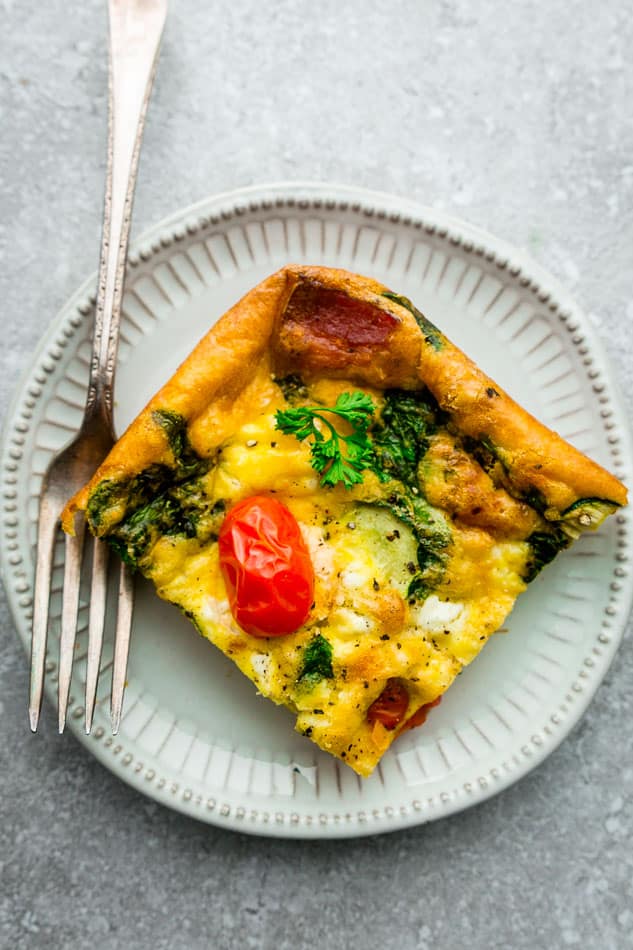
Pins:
x: 135, y: 31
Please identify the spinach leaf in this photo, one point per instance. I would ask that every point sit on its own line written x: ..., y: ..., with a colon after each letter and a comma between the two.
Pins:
x: 108, y: 494
x: 160, y: 500
x: 317, y: 662
x: 125, y: 493
x: 188, y: 463
x: 482, y: 450
x: 401, y: 439
x: 544, y: 546
x: 180, y: 510
x: 432, y: 335
x: 293, y: 388
x: 537, y: 500
x: 140, y: 531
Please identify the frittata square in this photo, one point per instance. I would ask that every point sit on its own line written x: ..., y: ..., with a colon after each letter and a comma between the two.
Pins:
x: 342, y: 502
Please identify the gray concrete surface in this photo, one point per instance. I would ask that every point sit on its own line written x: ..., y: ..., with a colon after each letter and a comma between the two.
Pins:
x: 517, y: 117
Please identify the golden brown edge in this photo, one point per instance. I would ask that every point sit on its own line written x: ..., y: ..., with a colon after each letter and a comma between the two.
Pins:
x: 225, y: 360
x: 536, y: 456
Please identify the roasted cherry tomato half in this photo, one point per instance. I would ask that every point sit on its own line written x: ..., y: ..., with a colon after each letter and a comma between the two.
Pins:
x: 391, y: 706
x: 419, y: 718
x: 266, y: 567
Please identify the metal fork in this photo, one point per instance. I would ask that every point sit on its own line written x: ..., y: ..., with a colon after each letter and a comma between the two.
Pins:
x: 135, y: 31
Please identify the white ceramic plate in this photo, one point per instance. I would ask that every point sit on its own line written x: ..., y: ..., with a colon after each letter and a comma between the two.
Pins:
x: 195, y: 735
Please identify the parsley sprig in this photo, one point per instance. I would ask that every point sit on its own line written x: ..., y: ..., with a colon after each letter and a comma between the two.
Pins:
x: 328, y: 458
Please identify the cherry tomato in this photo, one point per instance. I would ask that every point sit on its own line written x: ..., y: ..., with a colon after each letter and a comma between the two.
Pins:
x: 266, y: 567
x: 391, y: 705
x: 419, y: 718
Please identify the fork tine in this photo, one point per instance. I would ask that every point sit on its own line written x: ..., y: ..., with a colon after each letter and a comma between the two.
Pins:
x: 44, y: 566
x: 121, y: 644
x: 96, y: 624
x: 70, y: 603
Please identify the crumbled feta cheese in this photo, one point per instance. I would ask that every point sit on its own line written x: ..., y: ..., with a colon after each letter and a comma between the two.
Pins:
x: 436, y: 615
x: 320, y: 553
x: 350, y: 622
x: 353, y: 579
x: 260, y: 662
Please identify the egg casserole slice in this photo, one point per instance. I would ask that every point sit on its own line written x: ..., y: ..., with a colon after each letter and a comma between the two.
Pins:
x: 415, y: 565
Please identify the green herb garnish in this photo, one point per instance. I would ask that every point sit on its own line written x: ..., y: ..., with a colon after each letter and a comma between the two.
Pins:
x: 328, y: 458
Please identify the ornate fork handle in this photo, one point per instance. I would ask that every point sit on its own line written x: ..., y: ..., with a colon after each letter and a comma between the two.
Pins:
x: 135, y: 30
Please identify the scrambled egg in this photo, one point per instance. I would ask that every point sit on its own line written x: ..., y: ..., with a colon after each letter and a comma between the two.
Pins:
x: 363, y: 558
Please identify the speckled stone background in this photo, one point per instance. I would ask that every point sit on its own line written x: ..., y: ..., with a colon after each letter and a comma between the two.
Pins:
x: 517, y: 117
